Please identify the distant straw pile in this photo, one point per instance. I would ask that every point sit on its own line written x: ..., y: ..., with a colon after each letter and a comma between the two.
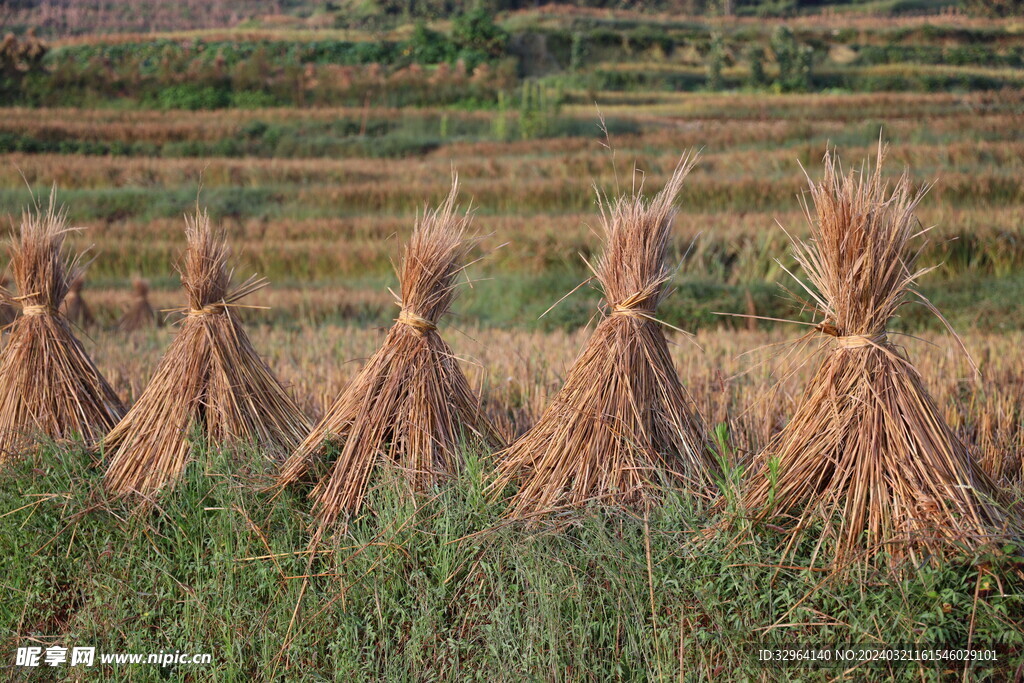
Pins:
x: 48, y: 384
x: 411, y: 406
x: 141, y: 314
x: 867, y: 452
x: 622, y: 427
x: 210, y: 380
x: 75, y: 309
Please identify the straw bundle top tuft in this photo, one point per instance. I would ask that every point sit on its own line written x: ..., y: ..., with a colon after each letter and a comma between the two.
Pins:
x: 858, y: 259
x: 42, y: 272
x: 432, y: 262
x: 632, y: 268
x: 204, y: 270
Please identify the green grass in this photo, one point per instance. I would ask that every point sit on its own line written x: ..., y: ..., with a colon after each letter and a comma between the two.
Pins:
x: 440, y: 590
x: 296, y: 201
x: 547, y: 302
x: 984, y: 304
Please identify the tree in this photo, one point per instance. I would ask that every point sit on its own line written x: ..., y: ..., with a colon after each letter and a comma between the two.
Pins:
x: 428, y: 46
x: 714, y: 62
x: 476, y: 30
x: 793, y: 59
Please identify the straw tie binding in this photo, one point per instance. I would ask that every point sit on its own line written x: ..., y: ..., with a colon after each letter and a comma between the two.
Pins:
x: 631, y: 308
x: 852, y: 341
x: 420, y: 324
x: 859, y: 341
x: 639, y: 313
x: 36, y: 309
x: 209, y: 309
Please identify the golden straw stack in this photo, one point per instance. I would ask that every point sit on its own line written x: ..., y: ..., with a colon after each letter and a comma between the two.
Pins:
x: 867, y: 452
x: 141, y: 314
x: 211, y: 382
x: 411, y: 406
x: 75, y: 310
x: 48, y: 384
x: 622, y: 427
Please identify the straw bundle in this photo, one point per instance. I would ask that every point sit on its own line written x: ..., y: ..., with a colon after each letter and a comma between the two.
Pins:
x: 48, y: 384
x: 411, y: 406
x: 74, y: 308
x: 211, y: 380
x: 141, y: 314
x: 622, y: 426
x: 867, y: 451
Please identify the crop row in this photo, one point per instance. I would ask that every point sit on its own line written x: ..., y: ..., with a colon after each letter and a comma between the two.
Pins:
x: 369, y: 134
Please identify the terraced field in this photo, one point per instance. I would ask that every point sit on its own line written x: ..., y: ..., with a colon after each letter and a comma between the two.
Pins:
x: 315, y: 223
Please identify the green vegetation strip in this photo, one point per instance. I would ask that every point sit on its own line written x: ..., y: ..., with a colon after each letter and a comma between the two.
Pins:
x: 446, y: 591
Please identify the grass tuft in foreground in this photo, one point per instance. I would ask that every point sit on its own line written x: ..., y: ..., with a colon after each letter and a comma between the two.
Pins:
x: 448, y: 592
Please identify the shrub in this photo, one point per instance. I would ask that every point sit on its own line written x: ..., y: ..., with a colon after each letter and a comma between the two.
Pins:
x: 714, y: 62
x: 186, y: 96
x: 476, y: 31
x: 755, y: 63
x: 578, y: 51
x: 538, y: 110
x: 793, y: 59
x: 427, y: 46
x: 251, y: 99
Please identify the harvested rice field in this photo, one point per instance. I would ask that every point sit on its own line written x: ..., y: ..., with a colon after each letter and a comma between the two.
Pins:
x: 275, y: 400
